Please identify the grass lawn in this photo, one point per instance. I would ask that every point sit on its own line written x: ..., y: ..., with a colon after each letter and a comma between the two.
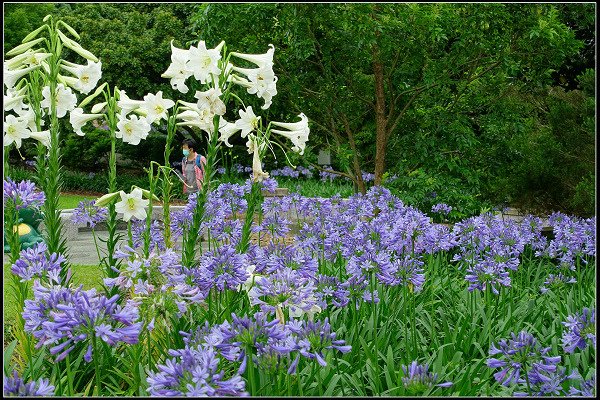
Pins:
x: 88, y: 275
x: 68, y: 200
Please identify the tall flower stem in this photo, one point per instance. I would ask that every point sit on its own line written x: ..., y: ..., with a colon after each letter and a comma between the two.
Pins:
x: 54, y: 234
x: 166, y: 182
x: 191, y: 234
x: 152, y: 182
x: 96, y: 366
x: 111, y: 221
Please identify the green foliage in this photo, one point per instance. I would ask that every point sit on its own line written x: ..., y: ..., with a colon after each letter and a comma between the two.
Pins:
x: 488, y: 118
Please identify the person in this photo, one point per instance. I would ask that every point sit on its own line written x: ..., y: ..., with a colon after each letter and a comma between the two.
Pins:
x: 192, y: 167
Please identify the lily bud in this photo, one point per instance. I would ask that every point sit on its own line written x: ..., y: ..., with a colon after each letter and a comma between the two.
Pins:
x: 24, y: 47
x: 107, y: 199
x: 34, y: 33
x: 145, y: 193
x: 98, y: 107
x: 91, y: 97
x: 70, y: 29
x: 71, y: 44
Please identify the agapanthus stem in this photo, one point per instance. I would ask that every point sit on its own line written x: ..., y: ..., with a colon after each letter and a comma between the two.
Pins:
x: 96, y: 355
x: 69, y: 376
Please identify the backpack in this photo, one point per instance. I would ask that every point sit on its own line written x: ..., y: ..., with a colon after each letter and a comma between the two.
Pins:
x: 198, y: 163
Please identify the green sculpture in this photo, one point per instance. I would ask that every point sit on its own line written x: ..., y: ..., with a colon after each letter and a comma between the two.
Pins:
x: 29, y: 221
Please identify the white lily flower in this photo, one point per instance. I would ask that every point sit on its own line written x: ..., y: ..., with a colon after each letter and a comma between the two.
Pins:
x: 27, y: 115
x: 65, y: 99
x: 258, y: 175
x: 132, y: 129
x: 13, y: 99
x: 248, y: 121
x: 211, y: 99
x: 15, y: 130
x: 87, y: 76
x: 12, y: 76
x: 201, y: 118
x: 155, y: 107
x: 126, y: 104
x: 179, y: 69
x: 298, y: 132
x: 78, y: 119
x: 297, y: 312
x: 35, y: 58
x: 227, y: 130
x: 17, y: 61
x: 262, y: 60
x: 132, y: 205
x: 204, y: 62
x: 260, y: 81
x: 43, y: 137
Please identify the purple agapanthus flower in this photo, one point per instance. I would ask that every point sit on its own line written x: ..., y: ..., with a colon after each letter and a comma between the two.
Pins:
x: 250, y: 334
x: 581, y: 330
x: 548, y: 383
x: 33, y: 263
x: 328, y: 290
x: 283, y: 289
x: 194, y: 372
x: 223, y: 269
x: 441, y: 208
x: 417, y: 378
x: 22, y: 194
x: 314, y: 338
x: 521, y: 354
x: 556, y: 281
x: 87, y: 213
x: 15, y: 386
x: 487, y: 272
x: 587, y: 388
x: 61, y: 317
x: 138, y: 229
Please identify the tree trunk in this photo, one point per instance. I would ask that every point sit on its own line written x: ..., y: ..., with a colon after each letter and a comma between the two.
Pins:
x: 359, y: 183
x: 381, y: 138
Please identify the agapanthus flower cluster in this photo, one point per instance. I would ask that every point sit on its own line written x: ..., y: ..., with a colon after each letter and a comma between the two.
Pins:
x: 62, y: 317
x: 556, y: 281
x: 573, y: 238
x: 441, y: 208
x: 285, y: 288
x: 521, y: 354
x: 417, y: 378
x: 195, y: 372
x: 138, y: 229
x: 255, y: 334
x: 490, y: 248
x: 15, y: 386
x: 88, y: 213
x: 587, y: 388
x: 313, y: 339
x: 549, y: 383
x: 581, y: 330
x: 222, y: 269
x: 23, y: 194
x: 33, y: 263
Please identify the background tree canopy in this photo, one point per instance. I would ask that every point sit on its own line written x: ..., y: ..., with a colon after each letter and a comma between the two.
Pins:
x: 468, y: 104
